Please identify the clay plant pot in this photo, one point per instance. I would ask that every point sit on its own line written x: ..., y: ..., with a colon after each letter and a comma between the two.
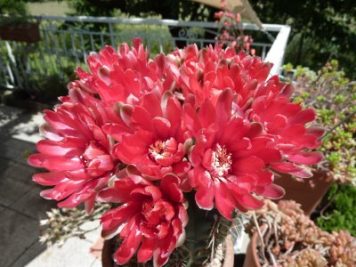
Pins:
x: 251, y: 257
x: 307, y: 192
x: 20, y: 32
x: 108, y: 251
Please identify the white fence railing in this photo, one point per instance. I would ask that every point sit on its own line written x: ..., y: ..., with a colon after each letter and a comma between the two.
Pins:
x: 66, y: 42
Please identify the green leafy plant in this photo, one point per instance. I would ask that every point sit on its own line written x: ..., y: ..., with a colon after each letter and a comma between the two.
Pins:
x: 13, y: 8
x: 12, y: 12
x: 339, y: 212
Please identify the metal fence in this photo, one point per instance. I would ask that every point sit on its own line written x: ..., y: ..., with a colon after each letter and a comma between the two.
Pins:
x: 66, y: 42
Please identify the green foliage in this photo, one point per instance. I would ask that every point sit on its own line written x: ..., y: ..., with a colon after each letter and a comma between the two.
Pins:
x: 12, y: 8
x: 83, y: 7
x: 47, y: 87
x: 320, y: 30
x: 172, y: 9
x: 45, y: 76
x: 341, y: 213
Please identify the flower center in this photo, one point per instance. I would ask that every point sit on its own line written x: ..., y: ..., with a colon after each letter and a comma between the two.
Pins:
x: 157, y: 218
x: 221, y: 161
x: 160, y: 150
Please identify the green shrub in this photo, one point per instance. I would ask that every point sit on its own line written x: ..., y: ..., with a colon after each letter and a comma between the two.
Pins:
x: 340, y: 215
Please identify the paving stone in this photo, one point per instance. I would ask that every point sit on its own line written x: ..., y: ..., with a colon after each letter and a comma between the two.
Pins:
x: 75, y: 252
x: 17, y: 234
x: 17, y: 171
x: 8, y: 114
x: 16, y: 150
x: 33, y: 205
x: 32, y: 252
x: 12, y: 190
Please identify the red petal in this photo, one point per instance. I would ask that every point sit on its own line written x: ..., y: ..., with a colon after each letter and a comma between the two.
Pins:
x: 49, y: 178
x: 207, y: 114
x: 152, y: 104
x: 145, y: 252
x: 308, y: 158
x: 287, y: 167
x: 205, y: 194
x: 304, y: 116
x: 55, y: 163
x: 120, y: 193
x: 277, y: 123
x: 169, y: 186
x: 61, y: 191
x: 93, y: 151
x: 78, y: 197
x: 249, y: 202
x: 223, y: 106
x: 162, y: 126
x: 128, y: 247
x: 142, y: 118
x: 174, y: 112
x: 224, y: 202
x: 248, y: 164
x: 273, y: 191
x: 112, y: 219
x: 58, y: 148
x: 100, y: 165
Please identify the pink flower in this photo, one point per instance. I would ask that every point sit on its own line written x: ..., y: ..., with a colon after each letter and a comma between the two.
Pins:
x: 125, y: 75
x: 286, y: 122
x: 230, y: 158
x: 205, y: 73
x: 210, y: 122
x: 76, y: 151
x: 155, y: 144
x: 150, y: 219
x: 245, y: 127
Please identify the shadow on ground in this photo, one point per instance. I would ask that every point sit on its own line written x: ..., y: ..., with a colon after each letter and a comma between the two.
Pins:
x: 20, y: 204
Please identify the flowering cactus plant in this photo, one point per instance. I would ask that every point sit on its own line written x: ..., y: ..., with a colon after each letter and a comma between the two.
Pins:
x: 178, y: 145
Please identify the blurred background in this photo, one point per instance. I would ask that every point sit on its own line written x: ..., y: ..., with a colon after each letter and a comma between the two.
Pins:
x: 59, y: 40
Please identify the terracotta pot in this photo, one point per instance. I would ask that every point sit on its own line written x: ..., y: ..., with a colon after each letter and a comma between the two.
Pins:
x: 108, y: 247
x: 251, y: 257
x: 307, y: 192
x: 20, y: 32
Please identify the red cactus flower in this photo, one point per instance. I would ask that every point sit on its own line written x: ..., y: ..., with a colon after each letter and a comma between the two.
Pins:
x: 125, y: 75
x: 76, y: 151
x: 259, y: 99
x: 150, y: 220
x: 280, y: 141
x: 204, y: 73
x: 286, y: 122
x: 230, y: 158
x: 155, y: 145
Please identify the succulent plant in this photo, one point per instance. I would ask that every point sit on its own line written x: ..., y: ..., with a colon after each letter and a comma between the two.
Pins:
x: 291, y: 239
